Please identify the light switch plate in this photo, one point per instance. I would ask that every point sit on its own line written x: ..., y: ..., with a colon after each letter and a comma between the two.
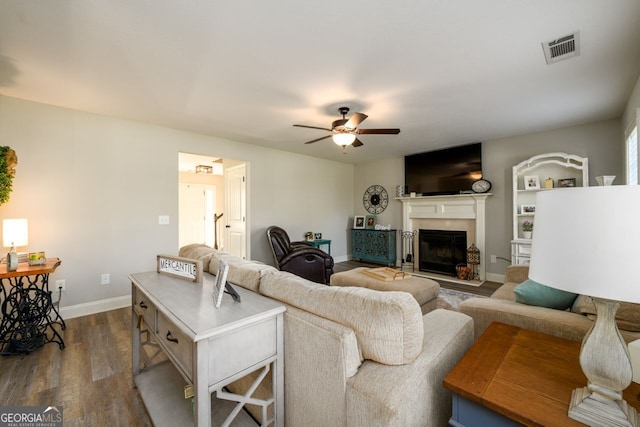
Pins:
x: 163, y: 219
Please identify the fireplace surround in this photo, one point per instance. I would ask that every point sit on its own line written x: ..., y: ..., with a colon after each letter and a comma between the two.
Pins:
x: 455, y: 212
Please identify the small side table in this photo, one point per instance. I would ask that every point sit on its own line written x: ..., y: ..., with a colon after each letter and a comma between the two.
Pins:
x: 28, y: 313
x: 513, y: 376
x: 319, y: 242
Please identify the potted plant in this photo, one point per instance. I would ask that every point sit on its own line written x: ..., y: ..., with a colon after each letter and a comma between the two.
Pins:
x: 527, y: 229
x: 309, y: 235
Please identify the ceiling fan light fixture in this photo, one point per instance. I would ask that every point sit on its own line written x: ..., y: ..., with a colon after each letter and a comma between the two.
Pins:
x: 343, y: 139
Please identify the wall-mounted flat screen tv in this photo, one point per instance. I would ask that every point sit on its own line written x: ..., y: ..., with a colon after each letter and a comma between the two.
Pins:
x: 440, y: 172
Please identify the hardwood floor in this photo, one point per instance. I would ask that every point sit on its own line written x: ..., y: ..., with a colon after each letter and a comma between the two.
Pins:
x: 91, y: 377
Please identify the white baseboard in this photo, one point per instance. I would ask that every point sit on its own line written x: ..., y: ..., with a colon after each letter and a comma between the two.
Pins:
x: 94, y: 307
x: 494, y: 277
x: 341, y: 258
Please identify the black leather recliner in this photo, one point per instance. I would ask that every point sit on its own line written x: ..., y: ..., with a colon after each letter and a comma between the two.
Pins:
x: 299, y: 258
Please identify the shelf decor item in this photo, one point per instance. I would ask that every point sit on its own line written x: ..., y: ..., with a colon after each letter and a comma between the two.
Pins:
x: 527, y: 229
x: 605, y: 179
x: 560, y: 259
x: 358, y: 221
x: 528, y: 209
x: 548, y: 183
x: 567, y: 182
x: 531, y: 182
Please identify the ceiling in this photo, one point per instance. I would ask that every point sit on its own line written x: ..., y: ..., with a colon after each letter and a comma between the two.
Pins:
x: 446, y: 72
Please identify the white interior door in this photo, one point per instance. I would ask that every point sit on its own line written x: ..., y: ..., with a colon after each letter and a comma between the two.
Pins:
x: 236, y: 210
x: 197, y: 203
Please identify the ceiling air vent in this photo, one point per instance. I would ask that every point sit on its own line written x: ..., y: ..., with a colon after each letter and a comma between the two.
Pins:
x: 562, y: 48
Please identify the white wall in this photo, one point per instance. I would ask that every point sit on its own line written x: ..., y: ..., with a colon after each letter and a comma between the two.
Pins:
x: 92, y: 188
x: 599, y: 141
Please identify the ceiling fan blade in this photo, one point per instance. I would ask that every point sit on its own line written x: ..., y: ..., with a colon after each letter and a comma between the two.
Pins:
x: 317, y: 139
x: 357, y: 143
x: 378, y: 131
x: 355, y: 120
x: 312, y: 127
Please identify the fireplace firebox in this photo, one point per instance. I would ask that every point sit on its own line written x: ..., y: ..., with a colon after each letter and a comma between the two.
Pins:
x: 440, y: 251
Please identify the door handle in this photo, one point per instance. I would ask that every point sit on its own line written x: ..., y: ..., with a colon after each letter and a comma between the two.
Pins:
x: 227, y: 226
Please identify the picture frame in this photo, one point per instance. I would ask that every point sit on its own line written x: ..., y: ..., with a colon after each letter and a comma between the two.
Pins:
x: 531, y: 182
x: 220, y: 283
x: 528, y: 209
x: 358, y: 221
x: 566, y: 182
x: 371, y: 221
x: 317, y: 236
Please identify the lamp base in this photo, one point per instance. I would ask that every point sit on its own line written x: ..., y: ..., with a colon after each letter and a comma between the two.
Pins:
x: 595, y: 410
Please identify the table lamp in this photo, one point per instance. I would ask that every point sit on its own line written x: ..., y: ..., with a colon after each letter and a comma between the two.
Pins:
x: 15, y: 232
x: 585, y: 242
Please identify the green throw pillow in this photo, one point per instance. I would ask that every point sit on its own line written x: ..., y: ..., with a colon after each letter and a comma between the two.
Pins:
x: 534, y: 293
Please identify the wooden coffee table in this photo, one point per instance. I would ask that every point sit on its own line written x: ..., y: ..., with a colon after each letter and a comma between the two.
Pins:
x: 514, y: 376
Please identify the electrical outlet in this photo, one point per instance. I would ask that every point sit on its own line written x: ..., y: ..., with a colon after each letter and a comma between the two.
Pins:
x: 60, y: 285
x: 105, y: 279
x: 494, y: 259
x: 163, y: 219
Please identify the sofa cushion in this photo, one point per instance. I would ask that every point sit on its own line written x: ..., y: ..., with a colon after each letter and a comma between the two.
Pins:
x: 242, y: 272
x: 627, y: 316
x: 198, y: 251
x: 534, y: 293
x: 388, y: 325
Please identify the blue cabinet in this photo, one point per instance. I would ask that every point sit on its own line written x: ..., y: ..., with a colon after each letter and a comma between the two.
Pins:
x: 377, y: 246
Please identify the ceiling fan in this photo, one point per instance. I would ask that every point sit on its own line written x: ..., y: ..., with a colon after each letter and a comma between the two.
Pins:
x: 344, y: 131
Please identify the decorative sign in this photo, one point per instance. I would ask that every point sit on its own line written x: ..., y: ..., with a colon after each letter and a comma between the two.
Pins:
x: 182, y: 268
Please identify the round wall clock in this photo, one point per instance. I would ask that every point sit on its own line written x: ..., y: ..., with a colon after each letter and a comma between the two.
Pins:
x: 375, y: 199
x: 481, y: 186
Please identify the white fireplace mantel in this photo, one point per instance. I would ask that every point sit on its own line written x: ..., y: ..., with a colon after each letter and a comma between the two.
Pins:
x: 455, y: 207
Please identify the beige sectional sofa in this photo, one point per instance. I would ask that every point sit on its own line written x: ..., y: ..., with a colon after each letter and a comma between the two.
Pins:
x: 572, y: 323
x: 354, y: 356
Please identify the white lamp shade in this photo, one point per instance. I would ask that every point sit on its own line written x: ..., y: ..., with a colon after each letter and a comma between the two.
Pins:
x: 15, y: 232
x: 586, y: 240
x: 344, y: 138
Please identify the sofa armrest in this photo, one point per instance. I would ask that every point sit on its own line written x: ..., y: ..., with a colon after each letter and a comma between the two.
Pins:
x: 320, y: 356
x: 564, y: 324
x: 516, y: 273
x: 412, y: 394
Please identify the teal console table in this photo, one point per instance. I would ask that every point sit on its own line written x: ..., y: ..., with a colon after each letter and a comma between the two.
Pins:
x: 377, y: 246
x: 318, y: 242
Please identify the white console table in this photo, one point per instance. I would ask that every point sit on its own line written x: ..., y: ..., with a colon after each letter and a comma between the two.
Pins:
x: 208, y: 348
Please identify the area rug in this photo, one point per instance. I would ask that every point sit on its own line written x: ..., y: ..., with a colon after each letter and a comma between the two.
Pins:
x: 450, y: 299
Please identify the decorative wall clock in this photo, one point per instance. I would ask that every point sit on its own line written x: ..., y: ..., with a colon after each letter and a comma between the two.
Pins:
x: 481, y: 186
x: 375, y: 199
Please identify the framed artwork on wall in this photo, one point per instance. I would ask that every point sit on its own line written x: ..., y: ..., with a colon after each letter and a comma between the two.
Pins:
x: 358, y: 221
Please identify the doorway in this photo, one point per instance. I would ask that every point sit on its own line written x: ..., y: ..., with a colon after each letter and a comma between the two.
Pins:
x: 212, y: 203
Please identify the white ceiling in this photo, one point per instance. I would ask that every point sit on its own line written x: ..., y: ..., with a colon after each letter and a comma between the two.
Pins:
x: 446, y: 72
